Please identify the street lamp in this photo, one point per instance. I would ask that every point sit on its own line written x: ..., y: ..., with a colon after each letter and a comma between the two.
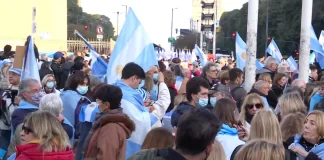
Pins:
x: 126, y: 11
x: 118, y: 20
x: 172, y: 26
x: 267, y: 23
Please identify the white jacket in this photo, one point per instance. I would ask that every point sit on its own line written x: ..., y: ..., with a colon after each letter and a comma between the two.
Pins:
x: 229, y: 143
x: 162, y: 104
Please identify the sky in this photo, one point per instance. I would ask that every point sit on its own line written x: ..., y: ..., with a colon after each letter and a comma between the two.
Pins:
x: 155, y: 15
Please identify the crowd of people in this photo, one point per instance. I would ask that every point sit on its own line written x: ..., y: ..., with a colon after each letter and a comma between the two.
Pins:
x: 170, y: 112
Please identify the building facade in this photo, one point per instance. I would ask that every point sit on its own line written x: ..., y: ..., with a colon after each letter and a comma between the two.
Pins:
x: 51, y: 23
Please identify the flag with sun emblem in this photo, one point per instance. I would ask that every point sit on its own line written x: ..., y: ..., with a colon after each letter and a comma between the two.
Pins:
x: 240, y: 47
x: 274, y: 51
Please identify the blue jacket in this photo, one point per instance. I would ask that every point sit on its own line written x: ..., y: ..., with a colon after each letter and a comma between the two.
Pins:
x: 20, y: 113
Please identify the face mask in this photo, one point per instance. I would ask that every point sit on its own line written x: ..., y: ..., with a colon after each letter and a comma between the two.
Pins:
x: 82, y: 89
x: 203, y: 102
x: 50, y: 84
x: 36, y: 97
x: 212, y: 101
x: 155, y: 76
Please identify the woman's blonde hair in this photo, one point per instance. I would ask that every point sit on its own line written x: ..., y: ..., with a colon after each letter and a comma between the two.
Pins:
x: 179, y: 99
x: 261, y: 149
x: 251, y: 98
x: 319, y: 121
x: 148, y: 82
x: 265, y: 126
x: 158, y: 138
x: 45, y: 79
x: 218, y: 153
x: 45, y: 127
x: 291, y: 125
x: 291, y: 103
x: 169, y: 78
x: 265, y: 76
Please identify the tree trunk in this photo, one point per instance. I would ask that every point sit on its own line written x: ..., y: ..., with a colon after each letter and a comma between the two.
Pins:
x: 305, y: 32
x: 251, y: 38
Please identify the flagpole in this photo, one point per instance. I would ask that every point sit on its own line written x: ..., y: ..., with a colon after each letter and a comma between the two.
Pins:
x: 306, y: 21
x: 215, y: 30
x: 252, y: 31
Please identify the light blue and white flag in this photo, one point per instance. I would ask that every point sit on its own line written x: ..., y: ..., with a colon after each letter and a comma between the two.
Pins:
x: 274, y: 51
x: 30, y: 66
x: 319, y: 56
x: 259, y: 65
x: 201, y: 55
x: 133, y: 45
x: 292, y: 64
x: 315, y: 45
x: 98, y: 65
x: 312, y: 58
x: 132, y: 104
x: 240, y: 47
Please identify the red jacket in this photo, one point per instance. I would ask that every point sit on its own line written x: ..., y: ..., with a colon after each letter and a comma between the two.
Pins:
x: 32, y: 152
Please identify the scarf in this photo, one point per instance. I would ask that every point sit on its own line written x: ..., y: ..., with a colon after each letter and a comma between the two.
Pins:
x: 226, y: 129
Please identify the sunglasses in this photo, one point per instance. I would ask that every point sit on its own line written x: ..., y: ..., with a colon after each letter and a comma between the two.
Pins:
x: 257, y: 105
x: 26, y: 129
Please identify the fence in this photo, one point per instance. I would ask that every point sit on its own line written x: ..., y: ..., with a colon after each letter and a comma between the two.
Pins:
x: 76, y: 45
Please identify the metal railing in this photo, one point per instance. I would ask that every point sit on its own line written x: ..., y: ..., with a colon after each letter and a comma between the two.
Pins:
x: 101, y: 46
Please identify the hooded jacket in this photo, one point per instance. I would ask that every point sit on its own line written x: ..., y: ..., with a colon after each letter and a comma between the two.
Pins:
x: 108, y: 135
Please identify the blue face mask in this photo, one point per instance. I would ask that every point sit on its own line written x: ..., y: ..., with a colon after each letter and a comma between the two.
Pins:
x: 213, y: 101
x: 82, y: 89
x: 50, y: 84
x: 155, y: 77
x: 203, y: 102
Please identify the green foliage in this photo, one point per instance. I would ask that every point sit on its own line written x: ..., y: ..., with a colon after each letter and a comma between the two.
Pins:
x: 284, y: 25
x: 187, y: 41
x: 77, y: 19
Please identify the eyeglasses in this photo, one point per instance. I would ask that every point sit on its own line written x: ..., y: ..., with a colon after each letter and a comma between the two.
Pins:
x: 257, y: 106
x: 26, y: 129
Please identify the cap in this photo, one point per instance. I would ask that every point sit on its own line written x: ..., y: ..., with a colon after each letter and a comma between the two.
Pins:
x: 218, y: 88
x: 58, y: 55
x: 179, y: 111
x: 15, y: 70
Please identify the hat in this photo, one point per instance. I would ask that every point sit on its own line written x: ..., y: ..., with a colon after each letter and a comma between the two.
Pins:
x: 218, y: 88
x: 179, y: 111
x: 58, y: 55
x: 15, y: 70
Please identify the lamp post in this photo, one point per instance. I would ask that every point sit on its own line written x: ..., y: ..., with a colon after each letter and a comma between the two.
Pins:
x: 117, y: 22
x: 172, y: 26
x: 267, y: 34
x: 126, y: 11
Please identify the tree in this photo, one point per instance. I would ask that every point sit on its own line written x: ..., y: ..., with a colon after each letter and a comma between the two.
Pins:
x: 187, y: 41
x: 284, y: 25
x: 77, y: 19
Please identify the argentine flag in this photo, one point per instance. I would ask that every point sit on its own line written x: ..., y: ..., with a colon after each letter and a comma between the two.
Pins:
x: 98, y: 65
x: 240, y: 47
x: 30, y: 67
x: 319, y: 55
x: 315, y: 45
x: 292, y: 64
x: 274, y: 51
x: 259, y: 65
x: 133, y: 45
x: 201, y: 55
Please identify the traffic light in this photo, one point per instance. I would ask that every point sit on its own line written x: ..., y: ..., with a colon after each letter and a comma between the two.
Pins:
x: 269, y: 39
x: 233, y: 35
x: 297, y: 53
x: 86, y: 27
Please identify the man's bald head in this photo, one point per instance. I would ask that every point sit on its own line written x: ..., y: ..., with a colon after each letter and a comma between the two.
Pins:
x: 300, y: 84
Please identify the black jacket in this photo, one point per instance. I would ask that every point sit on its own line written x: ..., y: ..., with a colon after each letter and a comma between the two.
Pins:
x: 64, y: 73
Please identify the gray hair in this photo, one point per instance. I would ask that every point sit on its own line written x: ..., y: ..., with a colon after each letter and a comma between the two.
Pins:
x: 298, y: 83
x: 25, y: 84
x: 269, y: 61
x: 51, y: 103
x: 70, y: 58
x: 282, y: 69
x: 44, y: 57
x: 206, y: 68
x: 259, y: 84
